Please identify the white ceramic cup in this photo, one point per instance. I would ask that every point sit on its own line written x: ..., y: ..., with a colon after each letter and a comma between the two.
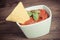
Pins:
x: 37, y: 29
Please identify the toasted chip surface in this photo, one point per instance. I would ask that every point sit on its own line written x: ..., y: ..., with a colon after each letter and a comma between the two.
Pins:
x: 19, y: 14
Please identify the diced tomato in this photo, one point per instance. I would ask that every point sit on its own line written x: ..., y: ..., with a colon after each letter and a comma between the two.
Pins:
x: 45, y: 16
x: 42, y: 12
x: 39, y: 19
x: 30, y: 21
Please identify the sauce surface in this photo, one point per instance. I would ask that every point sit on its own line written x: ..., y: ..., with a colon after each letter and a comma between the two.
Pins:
x: 36, y: 16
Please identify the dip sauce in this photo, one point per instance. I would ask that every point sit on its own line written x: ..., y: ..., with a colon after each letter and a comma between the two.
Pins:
x: 42, y: 15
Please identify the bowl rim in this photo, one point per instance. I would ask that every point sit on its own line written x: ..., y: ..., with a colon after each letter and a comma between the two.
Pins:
x: 50, y: 15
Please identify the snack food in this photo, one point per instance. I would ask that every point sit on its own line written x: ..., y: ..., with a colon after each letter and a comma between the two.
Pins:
x: 39, y: 28
x: 19, y: 14
x: 36, y: 16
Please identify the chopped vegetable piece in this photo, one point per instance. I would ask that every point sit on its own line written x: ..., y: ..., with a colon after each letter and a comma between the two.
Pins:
x: 35, y: 16
x: 45, y: 16
x: 29, y: 13
x: 30, y: 21
x: 42, y: 12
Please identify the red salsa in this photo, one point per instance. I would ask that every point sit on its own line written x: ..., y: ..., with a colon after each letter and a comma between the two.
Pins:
x: 36, y: 16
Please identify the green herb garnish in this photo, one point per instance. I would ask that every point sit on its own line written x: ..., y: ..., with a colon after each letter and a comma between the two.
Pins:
x: 34, y: 14
x: 29, y: 13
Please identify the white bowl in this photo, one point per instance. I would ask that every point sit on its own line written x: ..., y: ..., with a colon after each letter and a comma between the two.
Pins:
x: 37, y: 29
